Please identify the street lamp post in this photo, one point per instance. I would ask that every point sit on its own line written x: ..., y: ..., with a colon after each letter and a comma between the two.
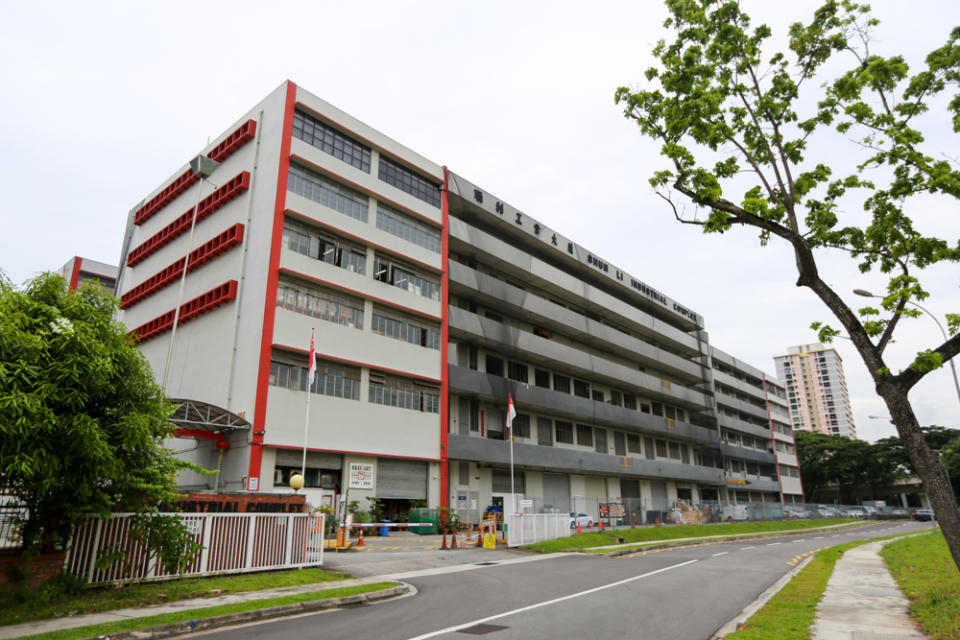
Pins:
x: 953, y: 367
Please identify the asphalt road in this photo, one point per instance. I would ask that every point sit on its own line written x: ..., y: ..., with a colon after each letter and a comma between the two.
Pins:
x: 684, y: 593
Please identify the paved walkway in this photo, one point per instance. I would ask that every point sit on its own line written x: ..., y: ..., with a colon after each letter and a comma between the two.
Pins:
x: 862, y: 601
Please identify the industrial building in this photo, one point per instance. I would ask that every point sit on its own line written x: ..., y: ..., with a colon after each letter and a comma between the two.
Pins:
x: 431, y: 301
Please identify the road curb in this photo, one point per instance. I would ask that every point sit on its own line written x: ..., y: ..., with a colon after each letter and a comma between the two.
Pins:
x: 255, y: 615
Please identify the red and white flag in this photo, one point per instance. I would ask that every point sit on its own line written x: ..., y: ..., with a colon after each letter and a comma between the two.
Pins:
x: 313, y: 361
x: 511, y: 414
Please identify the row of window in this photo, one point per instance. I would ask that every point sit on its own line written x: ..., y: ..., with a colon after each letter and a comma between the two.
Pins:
x: 519, y: 372
x: 345, y: 255
x: 338, y: 308
x: 330, y: 140
x: 331, y: 379
x: 323, y: 247
x: 744, y: 440
x: 407, y: 228
x: 402, y: 329
x: 328, y: 193
x: 343, y: 381
x: 403, y: 277
x: 321, y: 303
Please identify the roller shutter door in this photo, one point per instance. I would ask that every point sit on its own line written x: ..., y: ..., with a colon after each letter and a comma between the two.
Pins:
x: 401, y: 479
x: 556, y: 490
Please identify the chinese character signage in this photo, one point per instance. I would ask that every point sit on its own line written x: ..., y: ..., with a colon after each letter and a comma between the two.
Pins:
x: 361, y: 475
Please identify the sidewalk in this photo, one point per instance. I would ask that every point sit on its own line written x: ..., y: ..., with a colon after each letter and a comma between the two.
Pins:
x: 862, y: 600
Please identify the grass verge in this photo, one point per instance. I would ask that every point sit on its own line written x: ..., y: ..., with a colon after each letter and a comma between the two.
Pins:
x: 925, y: 571
x: 206, y: 612
x: 667, y: 533
x: 47, y: 603
x: 789, y: 614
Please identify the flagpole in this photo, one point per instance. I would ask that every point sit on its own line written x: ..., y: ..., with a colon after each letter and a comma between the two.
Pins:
x: 511, y: 414
x: 311, y: 372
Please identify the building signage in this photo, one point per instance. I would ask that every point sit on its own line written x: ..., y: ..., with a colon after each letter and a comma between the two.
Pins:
x: 361, y: 475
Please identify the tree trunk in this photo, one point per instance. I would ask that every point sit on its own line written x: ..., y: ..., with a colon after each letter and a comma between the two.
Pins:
x: 926, y: 463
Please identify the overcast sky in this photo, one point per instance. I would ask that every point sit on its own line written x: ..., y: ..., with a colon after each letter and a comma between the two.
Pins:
x: 101, y: 102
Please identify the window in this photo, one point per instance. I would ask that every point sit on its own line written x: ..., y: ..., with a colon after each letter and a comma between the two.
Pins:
x: 409, y: 229
x: 545, y: 431
x: 314, y: 477
x: 331, y: 141
x: 661, y: 448
x: 321, y: 303
x: 331, y: 379
x: 494, y: 365
x: 648, y: 448
x: 521, y: 425
x: 406, y: 180
x: 328, y: 193
x: 619, y: 443
x: 463, y: 474
x: 323, y: 247
x: 401, y: 329
x: 633, y: 443
x: 541, y: 378
x: 616, y: 398
x: 404, y: 393
x: 584, y: 435
x: 517, y: 371
x: 657, y: 409
x: 600, y: 439
x: 581, y: 388
x: 597, y: 395
x: 406, y: 278
x: 630, y: 401
x: 561, y: 383
x: 674, y: 450
x: 564, y: 432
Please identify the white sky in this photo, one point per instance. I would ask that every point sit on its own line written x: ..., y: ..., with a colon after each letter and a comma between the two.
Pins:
x: 102, y: 101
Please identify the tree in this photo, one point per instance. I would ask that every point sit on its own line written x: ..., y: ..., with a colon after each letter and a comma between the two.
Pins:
x: 737, y: 128
x: 81, y: 418
x: 831, y: 463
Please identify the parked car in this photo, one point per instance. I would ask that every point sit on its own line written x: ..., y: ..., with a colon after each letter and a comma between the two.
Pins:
x: 923, y: 515
x: 829, y: 512
x: 855, y: 512
x: 585, y: 520
x: 795, y: 513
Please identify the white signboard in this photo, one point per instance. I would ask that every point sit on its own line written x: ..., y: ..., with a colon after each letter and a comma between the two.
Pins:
x: 526, y: 504
x: 361, y: 475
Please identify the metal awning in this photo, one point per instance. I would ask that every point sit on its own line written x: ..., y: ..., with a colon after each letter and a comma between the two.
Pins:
x: 195, y: 414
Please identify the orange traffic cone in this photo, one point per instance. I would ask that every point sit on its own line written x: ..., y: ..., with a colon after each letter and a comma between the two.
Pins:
x: 579, y: 530
x: 601, y: 525
x: 360, y: 541
x: 658, y: 523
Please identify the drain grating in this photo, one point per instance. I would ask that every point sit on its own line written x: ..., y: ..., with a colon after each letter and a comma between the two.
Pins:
x: 485, y: 564
x: 480, y: 629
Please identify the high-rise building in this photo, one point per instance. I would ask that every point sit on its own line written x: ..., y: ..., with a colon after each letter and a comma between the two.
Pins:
x: 431, y: 301
x: 816, y: 389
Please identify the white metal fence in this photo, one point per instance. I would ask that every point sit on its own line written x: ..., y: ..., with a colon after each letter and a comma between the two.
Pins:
x: 527, y: 528
x: 232, y: 543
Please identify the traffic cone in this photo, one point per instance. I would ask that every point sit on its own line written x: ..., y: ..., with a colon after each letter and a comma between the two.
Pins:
x: 579, y: 530
x: 360, y: 541
x: 601, y: 525
x: 480, y: 538
x: 658, y: 523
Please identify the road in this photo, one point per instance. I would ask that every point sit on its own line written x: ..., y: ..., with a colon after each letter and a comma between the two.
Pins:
x: 684, y: 593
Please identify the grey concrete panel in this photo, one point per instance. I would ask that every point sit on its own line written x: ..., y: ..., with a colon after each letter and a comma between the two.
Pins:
x: 737, y: 364
x: 751, y: 455
x: 740, y: 385
x: 528, y: 397
x: 541, y: 311
x: 740, y: 405
x: 520, y: 264
x: 568, y: 359
x: 744, y: 427
x: 533, y: 456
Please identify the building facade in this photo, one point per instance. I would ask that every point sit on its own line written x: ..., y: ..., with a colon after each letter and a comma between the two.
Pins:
x: 80, y: 270
x: 431, y: 301
x: 816, y: 390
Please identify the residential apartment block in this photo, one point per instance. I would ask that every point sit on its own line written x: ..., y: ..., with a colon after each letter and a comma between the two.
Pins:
x: 816, y: 389
x: 431, y: 301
